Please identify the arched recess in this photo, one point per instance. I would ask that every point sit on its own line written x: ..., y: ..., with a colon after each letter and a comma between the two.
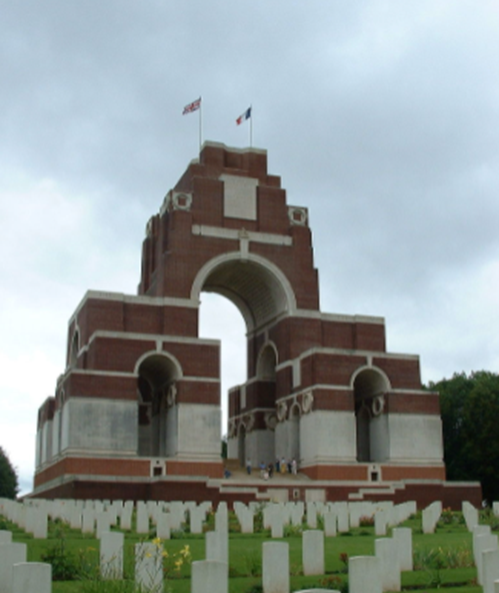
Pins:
x: 370, y: 386
x: 294, y: 432
x: 157, y: 374
x: 75, y: 348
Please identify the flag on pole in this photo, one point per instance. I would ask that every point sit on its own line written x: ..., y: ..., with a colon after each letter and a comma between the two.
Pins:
x: 194, y: 106
x: 246, y: 115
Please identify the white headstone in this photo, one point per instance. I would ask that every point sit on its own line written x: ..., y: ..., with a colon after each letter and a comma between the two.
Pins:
x: 217, y: 546
x: 32, y: 577
x: 275, y: 567
x: 490, y: 569
x: 386, y: 551
x: 149, y: 567
x: 209, y: 576
x: 403, y: 540
x: 10, y: 554
x: 111, y: 554
x: 329, y: 524
x: 5, y: 537
x: 364, y: 575
x: 313, y: 552
x: 163, y: 526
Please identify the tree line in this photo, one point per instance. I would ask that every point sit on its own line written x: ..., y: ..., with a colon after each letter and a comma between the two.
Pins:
x: 469, y: 407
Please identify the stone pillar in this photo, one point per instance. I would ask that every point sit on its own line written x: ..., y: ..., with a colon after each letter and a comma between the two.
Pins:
x: 209, y: 575
x: 364, y: 575
x: 31, y: 577
x: 111, y: 555
x: 313, y: 552
x: 386, y: 551
x: 275, y: 567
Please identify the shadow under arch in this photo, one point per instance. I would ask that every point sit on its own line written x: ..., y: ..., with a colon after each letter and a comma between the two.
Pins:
x: 370, y: 386
x: 157, y: 373
x: 255, y: 285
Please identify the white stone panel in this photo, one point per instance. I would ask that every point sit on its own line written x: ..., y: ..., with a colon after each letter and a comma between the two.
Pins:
x: 240, y: 197
x: 56, y: 433
x: 327, y: 436
x: 199, y: 431
x: 100, y: 425
x: 379, y: 438
x: 415, y: 437
x: 260, y: 447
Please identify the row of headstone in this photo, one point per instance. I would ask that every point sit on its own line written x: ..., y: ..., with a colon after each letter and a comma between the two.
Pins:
x: 99, y: 516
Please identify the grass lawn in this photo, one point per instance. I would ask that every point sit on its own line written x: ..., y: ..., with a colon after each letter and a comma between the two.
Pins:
x: 442, y: 560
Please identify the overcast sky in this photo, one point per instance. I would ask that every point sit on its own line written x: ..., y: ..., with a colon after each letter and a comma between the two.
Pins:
x: 381, y: 117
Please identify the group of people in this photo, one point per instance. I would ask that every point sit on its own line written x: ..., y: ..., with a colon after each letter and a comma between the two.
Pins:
x: 281, y: 466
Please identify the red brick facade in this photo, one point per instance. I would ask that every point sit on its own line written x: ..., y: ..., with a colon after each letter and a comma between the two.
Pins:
x: 226, y: 227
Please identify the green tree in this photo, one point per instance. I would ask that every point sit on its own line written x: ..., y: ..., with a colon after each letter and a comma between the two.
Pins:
x: 470, y: 409
x: 8, y: 477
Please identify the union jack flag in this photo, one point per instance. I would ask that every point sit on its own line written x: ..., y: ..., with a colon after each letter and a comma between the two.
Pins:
x: 194, y: 106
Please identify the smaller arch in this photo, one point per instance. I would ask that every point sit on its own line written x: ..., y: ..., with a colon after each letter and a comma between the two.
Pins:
x: 157, y: 373
x: 267, y: 360
x: 295, y: 411
x: 75, y: 347
x: 372, y: 371
x: 175, y: 365
x: 369, y: 385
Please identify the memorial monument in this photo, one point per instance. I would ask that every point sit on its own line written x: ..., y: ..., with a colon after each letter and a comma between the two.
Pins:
x: 136, y: 412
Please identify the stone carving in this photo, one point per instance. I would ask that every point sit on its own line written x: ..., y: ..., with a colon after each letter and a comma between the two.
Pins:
x: 270, y: 420
x: 297, y: 215
x: 282, y: 410
x: 181, y: 201
x: 378, y: 405
x: 249, y: 422
x: 232, y: 429
x: 171, y: 395
x: 307, y: 402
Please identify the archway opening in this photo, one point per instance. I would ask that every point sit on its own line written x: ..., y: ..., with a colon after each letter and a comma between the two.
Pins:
x: 294, y: 433
x: 370, y: 388
x: 157, y: 412
x: 220, y: 319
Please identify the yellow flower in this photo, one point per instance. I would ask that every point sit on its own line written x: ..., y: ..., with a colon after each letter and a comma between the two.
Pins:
x: 165, y: 553
x: 156, y: 541
x: 178, y: 564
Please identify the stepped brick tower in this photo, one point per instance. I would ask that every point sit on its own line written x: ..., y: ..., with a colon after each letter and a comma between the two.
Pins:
x: 137, y: 410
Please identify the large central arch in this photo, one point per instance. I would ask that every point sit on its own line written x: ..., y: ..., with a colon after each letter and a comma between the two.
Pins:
x: 255, y: 285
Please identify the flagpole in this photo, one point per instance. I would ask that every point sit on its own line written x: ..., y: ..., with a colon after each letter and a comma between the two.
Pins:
x: 251, y: 127
x: 200, y: 124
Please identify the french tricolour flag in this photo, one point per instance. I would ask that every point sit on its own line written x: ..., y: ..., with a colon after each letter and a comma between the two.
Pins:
x: 246, y: 115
